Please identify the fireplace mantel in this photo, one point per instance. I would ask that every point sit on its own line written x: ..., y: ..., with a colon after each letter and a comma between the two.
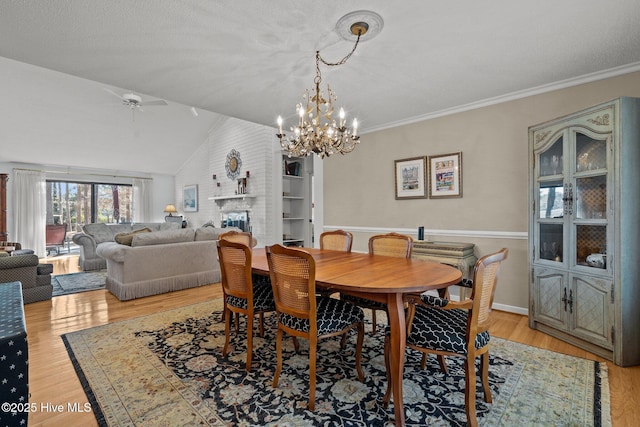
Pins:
x: 235, y: 196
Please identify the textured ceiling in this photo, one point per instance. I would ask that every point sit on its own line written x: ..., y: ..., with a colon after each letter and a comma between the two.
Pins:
x: 252, y: 59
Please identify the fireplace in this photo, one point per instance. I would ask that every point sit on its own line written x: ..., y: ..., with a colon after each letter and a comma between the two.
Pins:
x: 238, y: 219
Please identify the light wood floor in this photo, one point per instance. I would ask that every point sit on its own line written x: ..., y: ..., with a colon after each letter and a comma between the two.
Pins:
x: 52, y: 378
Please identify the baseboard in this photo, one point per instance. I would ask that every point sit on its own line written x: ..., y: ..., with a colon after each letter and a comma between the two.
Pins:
x: 496, y: 306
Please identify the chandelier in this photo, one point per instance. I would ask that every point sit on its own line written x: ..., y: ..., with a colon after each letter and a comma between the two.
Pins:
x: 317, y: 131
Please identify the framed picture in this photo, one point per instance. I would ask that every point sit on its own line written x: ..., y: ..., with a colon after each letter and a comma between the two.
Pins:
x: 411, y: 178
x: 445, y: 175
x: 190, y: 198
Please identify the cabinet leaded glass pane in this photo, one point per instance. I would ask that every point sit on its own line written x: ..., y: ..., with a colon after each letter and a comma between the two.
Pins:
x: 591, y: 154
x: 551, y: 159
x: 591, y: 240
x: 551, y: 242
x: 550, y: 199
x: 591, y: 197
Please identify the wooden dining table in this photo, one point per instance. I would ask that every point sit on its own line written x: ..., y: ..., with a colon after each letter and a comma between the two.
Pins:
x: 379, y: 278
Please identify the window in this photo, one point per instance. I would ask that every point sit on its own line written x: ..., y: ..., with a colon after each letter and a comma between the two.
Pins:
x: 78, y: 203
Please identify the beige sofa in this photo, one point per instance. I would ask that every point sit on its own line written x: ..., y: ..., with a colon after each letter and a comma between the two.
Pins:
x: 95, y: 234
x: 161, y: 261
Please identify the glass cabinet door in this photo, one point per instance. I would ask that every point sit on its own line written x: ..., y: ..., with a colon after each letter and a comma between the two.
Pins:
x: 551, y: 202
x: 590, y: 200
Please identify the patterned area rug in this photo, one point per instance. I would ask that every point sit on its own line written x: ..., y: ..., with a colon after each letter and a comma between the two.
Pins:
x: 167, y: 369
x: 64, y: 284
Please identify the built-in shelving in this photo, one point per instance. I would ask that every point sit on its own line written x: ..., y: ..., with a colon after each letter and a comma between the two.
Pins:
x: 296, y: 201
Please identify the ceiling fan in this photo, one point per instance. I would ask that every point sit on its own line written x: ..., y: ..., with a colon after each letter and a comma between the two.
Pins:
x: 134, y: 101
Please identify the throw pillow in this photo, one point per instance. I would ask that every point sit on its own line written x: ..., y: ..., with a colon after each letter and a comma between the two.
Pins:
x: 3, y: 253
x: 127, y: 238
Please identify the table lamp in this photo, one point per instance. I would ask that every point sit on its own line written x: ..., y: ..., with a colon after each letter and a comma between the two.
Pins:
x: 170, y: 209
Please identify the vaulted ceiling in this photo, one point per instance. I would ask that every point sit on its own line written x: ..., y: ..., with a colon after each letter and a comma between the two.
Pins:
x: 252, y: 59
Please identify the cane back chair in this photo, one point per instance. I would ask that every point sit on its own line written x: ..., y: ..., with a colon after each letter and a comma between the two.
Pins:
x: 391, y: 244
x: 451, y: 328
x: 301, y: 313
x: 241, y: 296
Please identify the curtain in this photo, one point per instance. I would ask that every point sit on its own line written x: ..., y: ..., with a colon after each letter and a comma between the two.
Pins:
x: 30, y: 210
x: 142, y: 200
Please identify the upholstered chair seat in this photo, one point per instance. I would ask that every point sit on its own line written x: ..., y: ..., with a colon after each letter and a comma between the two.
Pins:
x: 262, y: 299
x: 332, y: 316
x: 443, y: 330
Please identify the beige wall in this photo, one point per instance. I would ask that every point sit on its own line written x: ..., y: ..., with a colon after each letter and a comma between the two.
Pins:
x: 359, y: 190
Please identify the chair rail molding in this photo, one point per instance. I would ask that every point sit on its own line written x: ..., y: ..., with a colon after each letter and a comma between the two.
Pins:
x: 484, y: 234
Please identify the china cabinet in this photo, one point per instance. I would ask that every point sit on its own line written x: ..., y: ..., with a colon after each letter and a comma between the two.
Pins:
x: 584, y: 229
x: 296, y: 201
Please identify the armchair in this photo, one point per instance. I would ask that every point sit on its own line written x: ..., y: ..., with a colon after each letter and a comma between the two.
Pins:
x: 442, y: 327
x: 56, y: 235
x: 18, y: 248
x: 26, y: 269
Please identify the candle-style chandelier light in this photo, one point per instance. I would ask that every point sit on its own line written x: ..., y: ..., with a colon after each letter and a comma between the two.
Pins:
x: 317, y: 131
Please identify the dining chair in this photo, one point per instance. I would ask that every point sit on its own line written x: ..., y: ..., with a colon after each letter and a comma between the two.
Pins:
x: 456, y: 328
x: 258, y: 279
x: 336, y: 240
x: 238, y: 237
x: 241, y: 296
x: 390, y: 244
x: 301, y: 313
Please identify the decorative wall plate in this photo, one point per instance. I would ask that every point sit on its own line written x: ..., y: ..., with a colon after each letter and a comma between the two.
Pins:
x: 233, y: 164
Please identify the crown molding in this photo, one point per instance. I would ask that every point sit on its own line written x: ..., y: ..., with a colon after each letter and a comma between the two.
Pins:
x: 563, y: 84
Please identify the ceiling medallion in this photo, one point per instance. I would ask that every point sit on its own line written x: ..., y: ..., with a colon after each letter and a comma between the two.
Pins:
x: 325, y: 137
x: 233, y: 164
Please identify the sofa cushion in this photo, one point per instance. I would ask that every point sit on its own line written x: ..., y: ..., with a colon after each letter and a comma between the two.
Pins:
x: 119, y: 228
x: 127, y: 238
x: 170, y: 226
x: 209, y: 233
x: 99, y: 231
x: 163, y: 237
x: 153, y: 226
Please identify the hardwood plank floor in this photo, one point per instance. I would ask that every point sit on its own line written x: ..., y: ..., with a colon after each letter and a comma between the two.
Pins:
x: 53, y: 380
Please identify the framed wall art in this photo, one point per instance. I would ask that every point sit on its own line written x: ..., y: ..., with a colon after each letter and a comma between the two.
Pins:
x: 410, y: 175
x: 190, y: 198
x: 445, y: 175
